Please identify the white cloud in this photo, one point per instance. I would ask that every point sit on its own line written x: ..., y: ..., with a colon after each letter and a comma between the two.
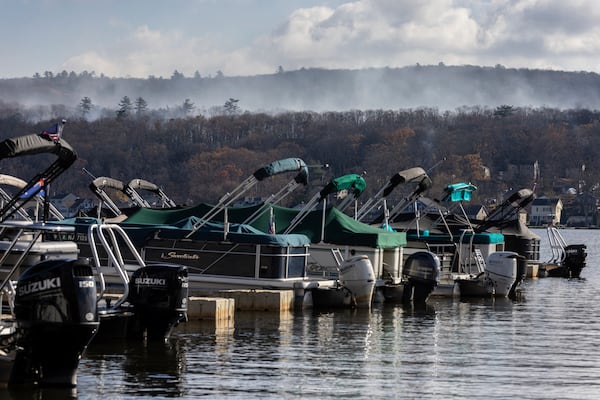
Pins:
x: 363, y: 33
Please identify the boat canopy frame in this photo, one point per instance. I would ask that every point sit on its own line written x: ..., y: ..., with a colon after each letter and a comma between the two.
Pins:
x: 31, y: 145
x: 353, y: 183
x: 274, y: 168
x: 412, y: 175
x: 132, y: 187
x: 97, y: 187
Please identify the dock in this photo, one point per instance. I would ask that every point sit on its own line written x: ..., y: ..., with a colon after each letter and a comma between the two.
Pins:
x: 220, y: 305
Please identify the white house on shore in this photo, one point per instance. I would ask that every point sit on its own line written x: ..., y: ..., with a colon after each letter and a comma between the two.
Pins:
x: 545, y: 211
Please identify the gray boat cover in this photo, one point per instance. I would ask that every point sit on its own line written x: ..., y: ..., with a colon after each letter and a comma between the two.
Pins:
x: 37, y: 144
x: 285, y: 165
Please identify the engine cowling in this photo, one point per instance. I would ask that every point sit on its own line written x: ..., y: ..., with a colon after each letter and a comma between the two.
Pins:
x: 56, y: 318
x: 159, y: 296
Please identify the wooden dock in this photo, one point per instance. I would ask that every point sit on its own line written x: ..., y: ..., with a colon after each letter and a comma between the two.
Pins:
x: 220, y: 305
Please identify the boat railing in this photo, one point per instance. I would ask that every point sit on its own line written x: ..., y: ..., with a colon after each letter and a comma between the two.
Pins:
x: 470, y: 260
x: 557, y: 245
x: 9, y: 291
x: 446, y: 252
x: 328, y: 271
x: 21, y: 232
x: 112, y: 237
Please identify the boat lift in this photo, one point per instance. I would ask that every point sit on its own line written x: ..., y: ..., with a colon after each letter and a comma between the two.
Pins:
x: 274, y: 168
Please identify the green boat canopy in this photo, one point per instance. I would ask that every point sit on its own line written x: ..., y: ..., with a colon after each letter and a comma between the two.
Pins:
x: 353, y: 183
x: 340, y: 228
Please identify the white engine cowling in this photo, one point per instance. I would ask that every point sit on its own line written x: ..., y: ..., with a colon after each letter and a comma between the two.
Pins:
x: 502, y: 270
x: 356, y: 275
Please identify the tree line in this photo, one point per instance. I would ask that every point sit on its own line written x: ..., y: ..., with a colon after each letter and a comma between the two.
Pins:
x: 200, y: 158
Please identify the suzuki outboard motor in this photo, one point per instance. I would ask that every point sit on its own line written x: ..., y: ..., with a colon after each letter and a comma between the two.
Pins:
x: 56, y: 318
x: 159, y: 296
x: 422, y: 270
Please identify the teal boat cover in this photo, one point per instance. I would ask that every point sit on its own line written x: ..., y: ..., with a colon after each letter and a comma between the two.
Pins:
x: 281, y: 166
x: 458, y: 192
x: 478, y: 237
x: 214, y: 231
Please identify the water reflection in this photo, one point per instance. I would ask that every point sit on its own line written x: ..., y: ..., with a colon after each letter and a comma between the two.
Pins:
x: 133, y: 368
x: 541, y: 346
x: 28, y: 393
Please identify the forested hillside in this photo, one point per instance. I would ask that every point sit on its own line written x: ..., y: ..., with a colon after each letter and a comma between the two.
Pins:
x: 439, y: 86
x: 199, y: 158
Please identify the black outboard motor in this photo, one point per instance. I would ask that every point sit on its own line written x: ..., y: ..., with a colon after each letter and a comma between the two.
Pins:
x: 159, y: 296
x: 423, y: 272
x: 57, y: 317
x: 575, y: 256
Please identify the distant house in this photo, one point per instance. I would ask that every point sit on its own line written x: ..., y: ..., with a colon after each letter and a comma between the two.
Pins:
x: 545, y: 211
x: 63, y: 202
x: 69, y: 204
x: 81, y: 205
x: 476, y: 211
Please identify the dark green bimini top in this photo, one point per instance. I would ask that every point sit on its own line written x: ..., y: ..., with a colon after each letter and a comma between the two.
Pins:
x: 342, y: 229
x: 353, y: 183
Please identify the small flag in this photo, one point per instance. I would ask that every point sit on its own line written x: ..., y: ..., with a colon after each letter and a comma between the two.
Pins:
x: 53, y: 133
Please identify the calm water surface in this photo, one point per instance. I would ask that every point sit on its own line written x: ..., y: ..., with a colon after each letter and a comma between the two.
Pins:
x: 544, y: 346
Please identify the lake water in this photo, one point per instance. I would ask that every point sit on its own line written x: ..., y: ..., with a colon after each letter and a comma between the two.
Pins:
x: 543, y: 346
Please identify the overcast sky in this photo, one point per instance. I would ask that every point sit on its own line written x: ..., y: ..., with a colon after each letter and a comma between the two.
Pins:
x: 139, y: 38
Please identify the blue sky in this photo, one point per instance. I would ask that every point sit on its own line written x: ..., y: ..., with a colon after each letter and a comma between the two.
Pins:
x: 140, y: 38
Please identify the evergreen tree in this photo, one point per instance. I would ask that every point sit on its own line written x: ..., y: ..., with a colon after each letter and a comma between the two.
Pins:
x: 85, y: 106
x: 187, y: 106
x: 125, y: 107
x: 141, y: 106
x: 231, y: 107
